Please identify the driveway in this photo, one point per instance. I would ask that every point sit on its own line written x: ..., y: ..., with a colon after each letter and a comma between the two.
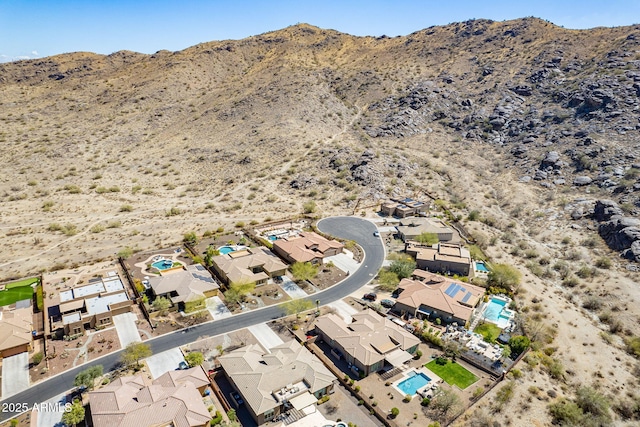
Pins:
x: 127, y: 328
x: 344, y: 262
x: 15, y: 374
x: 265, y: 336
x: 164, y: 362
x: 217, y: 308
x: 52, y: 410
x: 292, y: 289
x: 344, y: 310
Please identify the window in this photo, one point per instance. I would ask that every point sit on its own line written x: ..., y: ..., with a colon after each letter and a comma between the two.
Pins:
x: 268, y: 415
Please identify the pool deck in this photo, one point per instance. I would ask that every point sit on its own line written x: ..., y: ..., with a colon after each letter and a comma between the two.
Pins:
x: 154, y: 258
x: 422, y: 391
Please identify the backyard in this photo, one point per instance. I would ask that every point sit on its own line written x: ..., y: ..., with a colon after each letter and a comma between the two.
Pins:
x: 452, y: 373
x: 17, y: 291
x: 489, y: 332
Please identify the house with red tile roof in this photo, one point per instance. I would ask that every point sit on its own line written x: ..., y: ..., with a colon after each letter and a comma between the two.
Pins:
x: 430, y: 296
x: 173, y: 399
x: 306, y: 247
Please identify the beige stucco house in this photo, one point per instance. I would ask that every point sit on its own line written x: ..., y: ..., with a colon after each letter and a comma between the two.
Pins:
x: 286, y: 376
x: 369, y: 342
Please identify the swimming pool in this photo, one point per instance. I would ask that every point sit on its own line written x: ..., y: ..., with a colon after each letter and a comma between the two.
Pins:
x: 163, y: 264
x: 481, y: 267
x: 497, y: 312
x: 272, y: 238
x: 225, y: 250
x: 413, y: 383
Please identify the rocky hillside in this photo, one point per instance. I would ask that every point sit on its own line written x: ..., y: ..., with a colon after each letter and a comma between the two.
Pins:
x: 304, y: 111
x: 527, y: 132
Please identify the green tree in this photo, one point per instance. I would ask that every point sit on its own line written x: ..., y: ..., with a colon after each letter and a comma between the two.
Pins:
x: 474, y: 215
x: 233, y: 296
x: 504, y: 276
x: 427, y: 238
x: 134, y: 352
x: 210, y: 253
x: 445, y: 404
x: 518, y: 344
x: 633, y: 346
x: 304, y: 271
x: 297, y: 306
x: 161, y: 304
x: 452, y: 349
x: 309, y: 207
x: 231, y: 413
x: 403, y: 267
x: 566, y: 413
x: 74, y: 415
x: 506, y: 352
x: 395, y: 412
x: 237, y: 291
x: 190, y: 238
x: 125, y: 253
x: 388, y: 280
x: 593, y: 403
x: 87, y: 377
x: 194, y: 358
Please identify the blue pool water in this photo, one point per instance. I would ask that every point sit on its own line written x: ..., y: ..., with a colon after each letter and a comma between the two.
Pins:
x: 273, y: 238
x: 163, y: 264
x: 481, y: 267
x: 414, y: 383
x: 495, y: 311
x: 225, y: 250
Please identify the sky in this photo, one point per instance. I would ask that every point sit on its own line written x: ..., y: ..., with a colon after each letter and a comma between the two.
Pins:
x: 40, y: 28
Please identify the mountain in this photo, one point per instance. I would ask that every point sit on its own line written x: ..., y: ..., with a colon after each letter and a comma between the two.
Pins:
x: 527, y: 123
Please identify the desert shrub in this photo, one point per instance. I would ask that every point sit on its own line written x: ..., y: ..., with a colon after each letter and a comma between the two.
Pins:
x: 37, y: 358
x: 474, y: 215
x: 309, y: 207
x: 592, y: 303
x: 604, y: 263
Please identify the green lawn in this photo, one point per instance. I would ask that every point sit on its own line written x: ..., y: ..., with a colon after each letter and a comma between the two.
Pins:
x: 21, y: 283
x: 452, y: 373
x: 489, y: 332
x: 9, y: 296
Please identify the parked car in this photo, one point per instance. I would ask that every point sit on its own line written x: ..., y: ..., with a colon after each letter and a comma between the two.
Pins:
x: 371, y: 296
x: 236, y: 396
x: 376, y: 234
x: 183, y: 365
x: 387, y: 303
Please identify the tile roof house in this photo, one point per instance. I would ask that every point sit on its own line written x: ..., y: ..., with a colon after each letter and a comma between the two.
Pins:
x: 428, y: 295
x: 174, y: 399
x: 447, y: 258
x: 411, y: 228
x: 16, y: 326
x: 369, y: 342
x: 252, y: 265
x: 182, y: 286
x: 306, y: 247
x: 403, y: 207
x: 272, y: 382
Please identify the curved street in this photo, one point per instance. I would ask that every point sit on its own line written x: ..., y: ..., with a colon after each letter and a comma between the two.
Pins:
x: 350, y: 228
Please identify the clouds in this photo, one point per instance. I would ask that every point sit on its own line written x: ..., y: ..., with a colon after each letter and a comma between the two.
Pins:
x: 8, y: 58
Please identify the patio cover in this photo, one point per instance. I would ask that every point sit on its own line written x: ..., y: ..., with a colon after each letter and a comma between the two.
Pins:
x: 397, y: 357
x: 302, y: 401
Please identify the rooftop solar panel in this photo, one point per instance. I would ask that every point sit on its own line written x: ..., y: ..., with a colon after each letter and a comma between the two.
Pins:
x: 449, y: 289
x: 466, y: 297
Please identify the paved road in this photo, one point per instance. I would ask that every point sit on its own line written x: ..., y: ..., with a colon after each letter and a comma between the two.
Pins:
x: 350, y: 228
